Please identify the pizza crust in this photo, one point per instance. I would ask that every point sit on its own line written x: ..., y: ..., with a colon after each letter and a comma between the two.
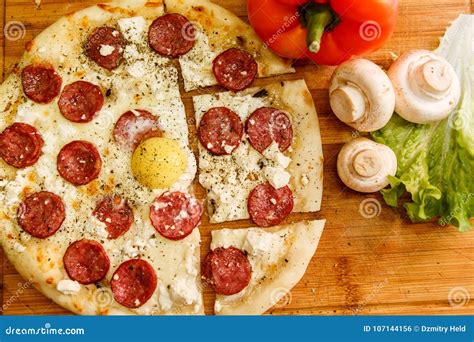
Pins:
x: 229, y: 179
x: 287, y: 266
x: 219, y: 30
x: 307, y: 158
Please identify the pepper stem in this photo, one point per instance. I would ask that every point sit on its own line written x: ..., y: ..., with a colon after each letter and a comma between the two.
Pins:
x: 317, y: 19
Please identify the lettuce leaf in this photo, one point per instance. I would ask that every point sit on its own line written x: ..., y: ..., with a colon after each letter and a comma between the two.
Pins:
x: 436, y: 161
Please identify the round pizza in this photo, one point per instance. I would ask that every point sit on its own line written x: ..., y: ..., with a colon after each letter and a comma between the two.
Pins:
x: 97, y: 170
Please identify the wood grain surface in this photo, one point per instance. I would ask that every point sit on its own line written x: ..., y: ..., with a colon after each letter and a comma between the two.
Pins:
x: 379, y: 265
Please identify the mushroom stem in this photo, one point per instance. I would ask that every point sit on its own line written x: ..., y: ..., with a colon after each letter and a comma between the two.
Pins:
x: 367, y: 163
x: 434, y: 77
x: 348, y: 103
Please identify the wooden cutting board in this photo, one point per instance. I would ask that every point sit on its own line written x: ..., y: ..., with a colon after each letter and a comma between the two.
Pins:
x: 379, y: 265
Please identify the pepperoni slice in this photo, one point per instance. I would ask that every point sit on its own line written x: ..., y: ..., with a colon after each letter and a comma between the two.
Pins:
x: 105, y: 47
x: 267, y: 125
x: 41, y: 214
x: 228, y: 270
x: 41, y: 83
x: 80, y: 101
x: 220, y: 131
x: 235, y: 69
x: 172, y: 35
x: 20, y: 145
x: 86, y: 261
x: 174, y: 215
x: 133, y: 283
x: 268, y: 206
x: 116, y: 214
x: 79, y: 162
x: 135, y: 126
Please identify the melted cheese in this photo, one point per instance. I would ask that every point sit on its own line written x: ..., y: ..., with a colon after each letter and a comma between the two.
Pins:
x: 68, y: 287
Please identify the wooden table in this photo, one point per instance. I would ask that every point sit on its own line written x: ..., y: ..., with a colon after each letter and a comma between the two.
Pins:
x: 380, y: 265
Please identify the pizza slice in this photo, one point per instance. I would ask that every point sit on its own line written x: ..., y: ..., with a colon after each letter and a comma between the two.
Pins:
x: 226, y: 50
x: 260, y: 153
x: 250, y: 269
x: 97, y: 207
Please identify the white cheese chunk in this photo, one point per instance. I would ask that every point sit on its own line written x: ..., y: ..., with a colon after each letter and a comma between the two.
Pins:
x: 97, y: 227
x: 273, y: 153
x: 165, y: 300
x: 131, y: 52
x: 67, y: 286
x: 132, y: 28
x: 304, y: 179
x: 133, y: 247
x: 106, y: 50
x: 138, y: 245
x: 228, y: 149
x: 185, y: 288
x: 190, y: 261
x: 137, y: 69
x: 259, y: 242
x: 19, y: 247
x: 226, y: 238
x: 28, y: 114
x: 196, y: 65
x: 277, y: 177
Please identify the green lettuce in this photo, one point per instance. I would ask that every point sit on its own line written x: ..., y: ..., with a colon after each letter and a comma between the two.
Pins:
x: 436, y: 161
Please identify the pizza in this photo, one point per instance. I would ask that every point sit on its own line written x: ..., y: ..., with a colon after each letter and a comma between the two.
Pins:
x: 98, y: 207
x: 267, y: 162
x: 252, y: 269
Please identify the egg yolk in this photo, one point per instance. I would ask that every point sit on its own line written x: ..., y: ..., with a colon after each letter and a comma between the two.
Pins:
x: 158, y: 163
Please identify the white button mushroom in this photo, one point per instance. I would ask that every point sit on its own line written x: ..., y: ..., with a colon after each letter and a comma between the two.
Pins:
x: 364, y: 165
x: 361, y: 95
x: 426, y: 86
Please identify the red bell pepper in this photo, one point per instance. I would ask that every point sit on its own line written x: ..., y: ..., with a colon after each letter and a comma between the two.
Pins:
x: 327, y: 31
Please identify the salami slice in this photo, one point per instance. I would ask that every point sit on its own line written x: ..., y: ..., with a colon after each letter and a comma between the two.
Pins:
x: 235, y: 69
x: 133, y: 283
x: 80, y: 101
x: 105, y: 47
x: 220, y: 131
x: 41, y: 83
x: 175, y: 214
x: 135, y: 126
x: 79, y: 162
x: 41, y: 214
x: 267, y: 125
x: 268, y: 206
x: 172, y: 35
x: 86, y: 261
x: 20, y: 145
x: 228, y: 270
x: 116, y: 214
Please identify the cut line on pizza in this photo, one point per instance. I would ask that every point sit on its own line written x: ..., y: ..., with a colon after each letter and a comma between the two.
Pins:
x: 97, y: 172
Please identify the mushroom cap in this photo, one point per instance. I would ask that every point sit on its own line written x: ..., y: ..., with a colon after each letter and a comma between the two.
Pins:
x: 364, y: 165
x: 426, y: 86
x: 361, y: 95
